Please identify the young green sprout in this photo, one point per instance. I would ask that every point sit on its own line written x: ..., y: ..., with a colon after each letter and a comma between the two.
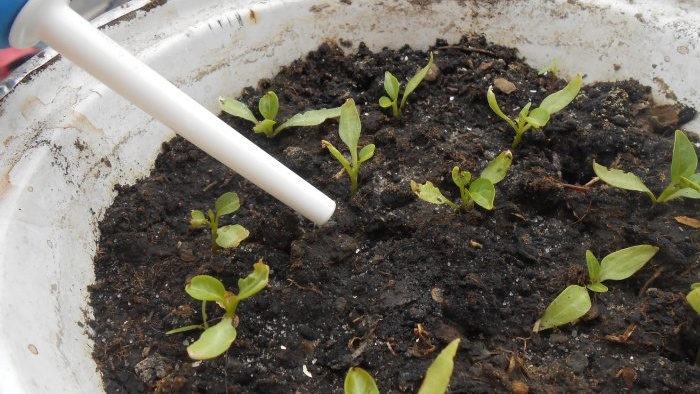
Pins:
x: 574, y: 301
x: 537, y: 117
x: 268, y: 106
x: 685, y: 180
x: 349, y: 131
x: 392, y: 87
x: 221, y: 237
x: 437, y: 378
x: 552, y: 68
x: 216, y: 339
x: 693, y: 298
x: 480, y: 190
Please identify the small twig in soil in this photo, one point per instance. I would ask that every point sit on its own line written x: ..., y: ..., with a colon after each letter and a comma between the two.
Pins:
x: 577, y: 188
x: 209, y: 186
x: 465, y: 48
x: 391, y: 349
x: 622, y: 339
x: 592, y: 182
x: 300, y: 287
x: 656, y: 274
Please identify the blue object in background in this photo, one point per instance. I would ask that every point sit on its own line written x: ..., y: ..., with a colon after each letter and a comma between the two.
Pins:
x: 8, y: 12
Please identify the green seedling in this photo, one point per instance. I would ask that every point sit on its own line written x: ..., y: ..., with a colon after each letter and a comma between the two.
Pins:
x: 437, y: 378
x: 349, y: 131
x: 268, y: 106
x: 574, y: 302
x: 537, y: 117
x: 552, y: 68
x: 392, y: 87
x: 479, y: 190
x: 693, y: 298
x: 221, y: 237
x: 685, y: 180
x: 216, y: 339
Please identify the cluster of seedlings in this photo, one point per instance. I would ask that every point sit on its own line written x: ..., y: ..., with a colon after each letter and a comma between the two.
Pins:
x: 569, y: 306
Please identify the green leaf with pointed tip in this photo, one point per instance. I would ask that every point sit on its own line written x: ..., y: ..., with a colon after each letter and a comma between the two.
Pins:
x: 621, y: 179
x: 415, y: 81
x: 525, y: 111
x: 313, y: 117
x: 437, y: 378
x: 429, y: 193
x: 538, y: 117
x: 359, y: 381
x: 214, y: 341
x: 593, y: 267
x: 231, y: 236
x: 673, y: 192
x: 206, y: 288
x: 569, y: 306
x: 496, y: 170
x: 555, y: 102
x: 227, y: 203
x: 625, y: 262
x: 254, y: 282
x: 694, y: 299
x: 338, y: 156
x: 483, y: 193
x: 269, y: 105
x: 391, y: 86
x: 366, y: 153
x: 493, y: 104
x: 236, y: 108
x: 597, y: 287
x: 684, y: 161
x: 198, y: 219
x: 350, y: 127
x: 461, y: 178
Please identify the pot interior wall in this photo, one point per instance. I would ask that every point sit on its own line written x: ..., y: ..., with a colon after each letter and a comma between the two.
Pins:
x: 67, y: 140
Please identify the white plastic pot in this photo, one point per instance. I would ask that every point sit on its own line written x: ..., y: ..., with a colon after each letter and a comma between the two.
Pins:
x: 66, y: 140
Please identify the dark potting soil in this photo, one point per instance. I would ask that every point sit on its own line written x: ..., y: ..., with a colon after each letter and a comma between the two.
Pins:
x: 390, y: 279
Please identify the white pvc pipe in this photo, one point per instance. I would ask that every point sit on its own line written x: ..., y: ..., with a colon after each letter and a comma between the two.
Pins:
x: 54, y: 23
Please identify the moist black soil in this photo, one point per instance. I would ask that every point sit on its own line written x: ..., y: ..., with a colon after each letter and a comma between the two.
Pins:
x: 391, y: 279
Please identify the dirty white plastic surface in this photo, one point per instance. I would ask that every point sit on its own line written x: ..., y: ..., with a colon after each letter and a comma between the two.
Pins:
x: 66, y: 139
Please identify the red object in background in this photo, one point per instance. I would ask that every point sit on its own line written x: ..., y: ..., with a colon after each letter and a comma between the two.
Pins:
x: 11, y: 58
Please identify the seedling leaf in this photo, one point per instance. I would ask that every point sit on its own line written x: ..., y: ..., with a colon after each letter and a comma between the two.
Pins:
x: 556, y: 101
x: 437, y: 378
x: 694, y: 298
x: 391, y: 86
x: 231, y: 236
x: 461, y: 178
x: 570, y: 305
x: 538, y: 117
x: 359, y: 381
x: 309, y: 118
x: 493, y: 104
x: 214, y: 341
x: 366, y: 153
x: 415, y: 81
x: 621, y: 179
x: 198, y: 219
x: 625, y: 262
x: 593, y: 267
x: 236, y: 108
x: 227, y: 203
x: 350, y: 127
x: 266, y: 126
x: 269, y: 105
x: 429, y: 193
x: 205, y: 288
x: 496, y: 170
x: 684, y: 161
x: 483, y: 192
x: 597, y: 287
x: 254, y: 282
